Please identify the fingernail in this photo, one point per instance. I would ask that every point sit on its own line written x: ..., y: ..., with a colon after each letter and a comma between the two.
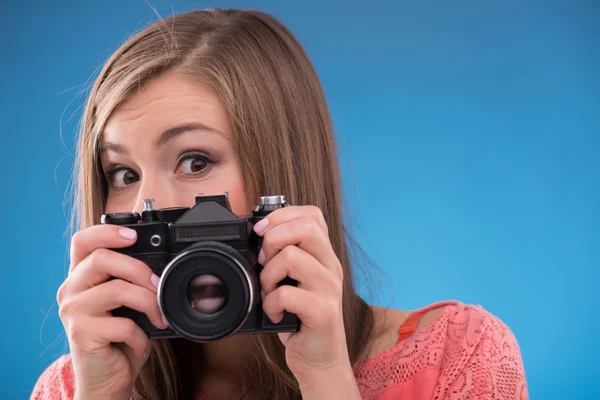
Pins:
x: 261, y: 225
x: 261, y: 256
x: 262, y: 295
x: 127, y: 233
x: 164, y: 320
x: 155, y: 279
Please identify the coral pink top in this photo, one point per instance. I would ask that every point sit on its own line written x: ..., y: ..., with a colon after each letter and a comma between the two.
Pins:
x: 466, y: 353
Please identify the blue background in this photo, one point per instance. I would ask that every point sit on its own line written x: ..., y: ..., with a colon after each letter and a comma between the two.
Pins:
x: 469, y: 136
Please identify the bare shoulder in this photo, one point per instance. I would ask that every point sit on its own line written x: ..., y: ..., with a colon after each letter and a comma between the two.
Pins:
x: 388, y: 322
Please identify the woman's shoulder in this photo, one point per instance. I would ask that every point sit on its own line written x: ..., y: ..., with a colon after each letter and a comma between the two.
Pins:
x: 393, y: 326
x: 449, y: 346
x: 456, y: 321
x: 56, y: 382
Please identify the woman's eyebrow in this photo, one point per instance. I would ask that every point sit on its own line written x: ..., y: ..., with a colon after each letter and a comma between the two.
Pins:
x: 172, y: 133
x: 164, y: 137
x: 117, y: 148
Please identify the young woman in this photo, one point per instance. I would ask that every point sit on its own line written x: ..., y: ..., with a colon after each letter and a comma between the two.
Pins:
x: 227, y: 100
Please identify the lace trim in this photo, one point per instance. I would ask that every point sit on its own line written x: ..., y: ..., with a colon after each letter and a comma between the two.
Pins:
x: 467, y: 353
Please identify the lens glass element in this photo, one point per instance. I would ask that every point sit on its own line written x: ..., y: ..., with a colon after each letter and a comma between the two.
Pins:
x: 207, y: 294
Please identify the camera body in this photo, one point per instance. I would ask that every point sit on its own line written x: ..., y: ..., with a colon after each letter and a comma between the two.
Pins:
x: 207, y: 261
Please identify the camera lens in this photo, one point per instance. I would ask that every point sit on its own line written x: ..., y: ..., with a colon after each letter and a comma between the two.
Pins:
x: 207, y: 294
x: 207, y: 291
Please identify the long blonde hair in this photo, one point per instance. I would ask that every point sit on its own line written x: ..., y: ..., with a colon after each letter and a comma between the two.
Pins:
x: 283, y: 138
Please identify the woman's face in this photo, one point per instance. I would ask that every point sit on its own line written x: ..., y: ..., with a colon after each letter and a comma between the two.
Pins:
x: 168, y: 143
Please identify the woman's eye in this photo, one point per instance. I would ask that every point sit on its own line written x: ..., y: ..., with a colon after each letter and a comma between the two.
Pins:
x: 122, y: 177
x: 193, y: 163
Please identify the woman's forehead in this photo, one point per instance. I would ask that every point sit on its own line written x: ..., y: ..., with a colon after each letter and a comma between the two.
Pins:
x: 167, y: 102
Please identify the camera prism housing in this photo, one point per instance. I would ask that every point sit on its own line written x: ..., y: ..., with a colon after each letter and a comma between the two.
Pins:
x: 207, y: 260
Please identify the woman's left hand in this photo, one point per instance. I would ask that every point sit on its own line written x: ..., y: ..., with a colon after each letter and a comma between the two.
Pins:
x: 296, y: 244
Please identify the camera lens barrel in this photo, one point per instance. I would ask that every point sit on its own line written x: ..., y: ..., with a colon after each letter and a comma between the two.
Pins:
x: 180, y: 278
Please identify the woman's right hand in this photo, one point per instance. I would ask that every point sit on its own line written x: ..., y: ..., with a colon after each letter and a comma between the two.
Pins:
x: 107, y: 352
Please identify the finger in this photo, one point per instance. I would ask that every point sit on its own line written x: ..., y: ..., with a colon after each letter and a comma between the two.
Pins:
x: 305, y: 233
x: 92, y: 334
x: 87, y: 240
x: 102, y: 299
x: 286, y: 214
x: 299, y: 265
x: 100, y: 266
x: 308, y: 306
x: 136, y: 361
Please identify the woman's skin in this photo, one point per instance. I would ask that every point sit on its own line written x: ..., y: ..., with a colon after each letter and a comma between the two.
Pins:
x: 170, y: 142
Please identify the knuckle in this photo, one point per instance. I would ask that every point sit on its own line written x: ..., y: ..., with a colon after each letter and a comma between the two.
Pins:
x: 331, y: 310
x: 76, y: 239
x: 318, y: 216
x: 309, y: 226
x: 120, y: 285
x: 282, y: 294
x: 331, y: 279
x: 129, y: 327
x: 137, y: 266
x: 266, y: 281
x: 334, y: 285
x: 317, y: 213
x: 60, y: 294
x: 62, y: 313
x: 76, y: 331
x: 65, y: 309
x: 267, y: 305
x: 290, y: 254
x: 98, y: 256
x: 118, y: 289
x: 338, y: 287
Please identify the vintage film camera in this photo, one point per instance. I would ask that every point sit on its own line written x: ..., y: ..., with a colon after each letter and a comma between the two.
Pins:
x: 206, y: 258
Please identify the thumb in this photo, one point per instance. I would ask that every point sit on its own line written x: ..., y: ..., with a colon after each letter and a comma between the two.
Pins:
x: 135, y: 362
x: 284, y: 337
